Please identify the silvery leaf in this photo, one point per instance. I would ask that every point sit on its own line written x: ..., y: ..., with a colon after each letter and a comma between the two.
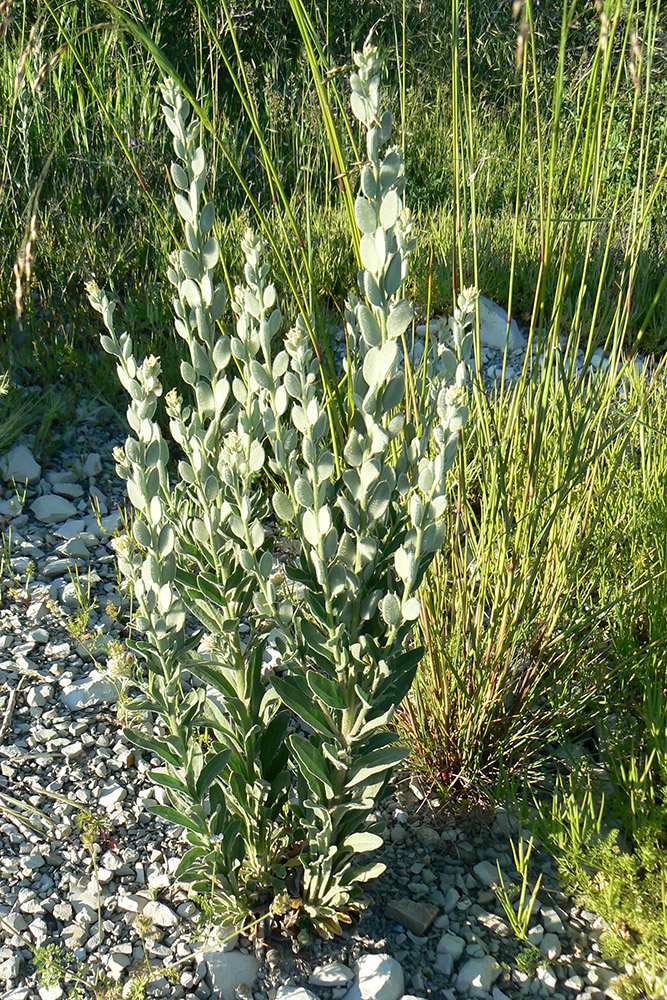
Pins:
x: 400, y: 318
x: 379, y: 362
x: 365, y: 216
x: 207, y: 218
x: 179, y: 177
x: 390, y: 610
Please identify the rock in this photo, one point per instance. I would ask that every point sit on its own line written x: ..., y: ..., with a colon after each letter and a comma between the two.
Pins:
x: 380, y: 977
x: 117, y: 964
x: 92, y: 466
x: 411, y: 914
x: 52, y: 509
x: 444, y: 964
x: 332, y: 974
x: 575, y: 983
x: 19, y: 466
x: 160, y: 914
x: 550, y: 946
x: 477, y: 975
x: 50, y: 993
x: 111, y: 795
x: 451, y: 944
x: 535, y: 934
x: 230, y: 969
x: 493, y: 327
x: 486, y: 873
x: 295, y: 993
x: 495, y: 924
x: 90, y: 691
x: 551, y: 920
x: 9, y: 969
x: 70, y: 490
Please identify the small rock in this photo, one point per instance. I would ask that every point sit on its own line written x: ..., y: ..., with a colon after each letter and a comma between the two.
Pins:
x: 493, y: 327
x: 478, y: 975
x: 444, y: 963
x: 414, y: 916
x: 451, y: 944
x: 380, y: 977
x: 111, y: 795
x: 160, y: 914
x: 230, y: 969
x: 19, y: 466
x: 535, y: 934
x: 575, y: 983
x: 332, y: 974
x: 51, y: 509
x: 550, y: 946
x: 295, y: 993
x: 9, y: 969
x: 486, y: 873
x: 92, y: 466
x: 90, y: 691
x: 551, y: 920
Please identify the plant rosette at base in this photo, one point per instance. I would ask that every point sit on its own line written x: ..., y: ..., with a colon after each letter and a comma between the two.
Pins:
x: 278, y: 809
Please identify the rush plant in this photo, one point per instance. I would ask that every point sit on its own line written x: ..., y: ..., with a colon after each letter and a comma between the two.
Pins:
x: 277, y: 807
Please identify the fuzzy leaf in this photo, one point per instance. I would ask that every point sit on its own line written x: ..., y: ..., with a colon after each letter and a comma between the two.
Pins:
x: 364, y: 213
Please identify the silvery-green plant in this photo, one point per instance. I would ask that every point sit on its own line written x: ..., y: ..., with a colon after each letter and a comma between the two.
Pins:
x: 278, y: 810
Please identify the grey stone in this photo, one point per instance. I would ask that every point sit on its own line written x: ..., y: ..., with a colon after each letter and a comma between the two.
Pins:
x: 411, y: 914
x: 486, y: 873
x: 92, y: 466
x: 444, y: 963
x: 112, y: 795
x: 478, y: 975
x: 380, y: 977
x: 550, y: 946
x: 10, y: 968
x: 331, y: 974
x: 295, y: 993
x: 451, y: 944
x: 230, y: 969
x: 90, y: 691
x: 70, y: 490
x: 52, y: 509
x: 493, y: 327
x: 19, y: 466
x: 551, y: 920
x: 159, y: 913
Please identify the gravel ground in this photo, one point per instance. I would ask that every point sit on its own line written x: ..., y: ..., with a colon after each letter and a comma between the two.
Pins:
x: 434, y: 929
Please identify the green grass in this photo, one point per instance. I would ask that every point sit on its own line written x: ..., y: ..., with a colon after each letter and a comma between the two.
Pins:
x: 105, y: 187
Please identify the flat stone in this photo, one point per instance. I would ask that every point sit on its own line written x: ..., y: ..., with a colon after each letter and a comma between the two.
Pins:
x: 70, y: 490
x: 444, y: 963
x: 229, y: 970
x: 111, y: 796
x: 380, y: 977
x: 160, y: 914
x: 10, y: 968
x: 486, y: 873
x: 551, y: 920
x: 50, y: 993
x: 497, y: 925
x: 550, y: 946
x: 331, y: 974
x: 117, y: 964
x: 413, y: 915
x: 52, y: 509
x: 493, y: 327
x: 451, y: 944
x: 92, y: 690
x: 92, y: 466
x: 70, y: 529
x: 19, y: 466
x: 478, y: 975
x: 295, y: 993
